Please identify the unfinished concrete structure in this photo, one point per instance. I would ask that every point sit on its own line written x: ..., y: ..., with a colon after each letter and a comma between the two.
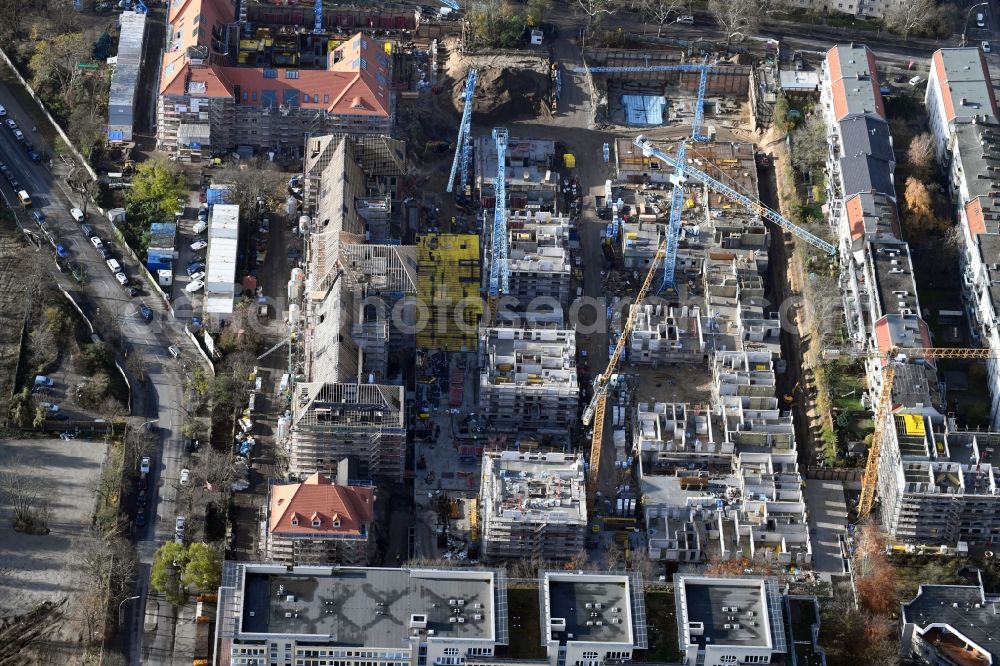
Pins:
x: 939, y: 484
x: 448, y: 281
x: 528, y: 381
x: 663, y: 334
x: 532, y: 181
x: 331, y: 421
x: 539, y: 261
x: 532, y: 505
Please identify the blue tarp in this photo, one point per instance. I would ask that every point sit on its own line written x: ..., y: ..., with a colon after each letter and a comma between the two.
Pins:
x: 218, y: 195
x: 643, y: 110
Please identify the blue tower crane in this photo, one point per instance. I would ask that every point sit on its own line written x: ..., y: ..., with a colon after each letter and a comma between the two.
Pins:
x: 463, y: 143
x: 499, y: 267
x: 318, y: 18
x: 753, y: 205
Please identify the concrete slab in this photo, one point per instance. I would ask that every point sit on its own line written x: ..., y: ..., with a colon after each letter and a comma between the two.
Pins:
x: 827, y: 522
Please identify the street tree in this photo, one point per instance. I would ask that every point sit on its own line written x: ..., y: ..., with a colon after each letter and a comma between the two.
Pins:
x: 80, y: 182
x: 158, y: 184
x: 875, y: 578
x: 165, y: 576
x: 596, y: 11
x: 741, y: 18
x: 660, y: 11
x: 906, y: 17
x: 204, y: 566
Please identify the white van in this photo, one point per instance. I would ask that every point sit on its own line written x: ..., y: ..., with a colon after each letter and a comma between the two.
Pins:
x: 114, y: 266
x: 24, y: 198
x: 980, y: 20
x: 686, y: 20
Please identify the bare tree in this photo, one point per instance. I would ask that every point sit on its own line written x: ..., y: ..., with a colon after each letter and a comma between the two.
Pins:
x: 596, y: 10
x: 809, y: 144
x: 905, y: 17
x: 255, y: 184
x: 26, y: 500
x: 139, y: 442
x: 660, y: 11
x: 920, y: 154
x: 741, y: 18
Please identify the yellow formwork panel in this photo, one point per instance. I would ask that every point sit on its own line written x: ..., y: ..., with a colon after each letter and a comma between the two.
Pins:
x: 448, y: 281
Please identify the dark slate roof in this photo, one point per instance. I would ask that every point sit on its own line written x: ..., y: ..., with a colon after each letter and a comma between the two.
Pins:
x: 864, y: 173
x: 866, y: 135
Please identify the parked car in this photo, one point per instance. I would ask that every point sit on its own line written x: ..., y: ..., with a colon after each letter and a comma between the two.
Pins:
x: 203, y: 213
x: 96, y: 242
x: 34, y: 156
x: 88, y: 230
x: 10, y: 123
x: 174, y: 350
x: 144, y: 465
x: 49, y: 407
x: 986, y: 47
x: 198, y: 245
x: 19, y: 135
x: 185, y: 477
x: 143, y: 482
x: 198, y: 277
x: 199, y: 227
x: 194, y: 286
x: 38, y: 215
x: 77, y: 215
x: 42, y: 380
x: 140, y: 518
x: 3, y: 111
x: 146, y: 312
x: 196, y: 267
x: 122, y: 279
x: 62, y: 251
x: 179, y: 525
x: 140, y: 499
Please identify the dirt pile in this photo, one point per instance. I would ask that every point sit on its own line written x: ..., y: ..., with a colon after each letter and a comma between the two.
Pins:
x: 507, y: 93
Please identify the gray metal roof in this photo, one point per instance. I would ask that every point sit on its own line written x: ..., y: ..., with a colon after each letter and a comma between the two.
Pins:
x: 967, y: 83
x: 955, y: 605
x: 705, y: 604
x: 864, y: 173
x: 369, y: 607
x: 979, y: 149
x: 866, y: 135
x: 125, y: 78
x: 897, y: 290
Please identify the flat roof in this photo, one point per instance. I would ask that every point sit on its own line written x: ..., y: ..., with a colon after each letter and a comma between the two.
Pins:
x: 534, y: 487
x: 729, y: 611
x: 224, y: 222
x: 588, y: 607
x: 964, y: 83
x: 366, y: 606
x: 961, y: 607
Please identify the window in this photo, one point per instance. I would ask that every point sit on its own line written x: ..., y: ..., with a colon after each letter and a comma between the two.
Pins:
x: 315, y: 522
x: 315, y: 99
x: 326, y: 99
x: 295, y: 521
x: 291, y: 73
x: 590, y: 655
x: 451, y: 651
x: 254, y: 96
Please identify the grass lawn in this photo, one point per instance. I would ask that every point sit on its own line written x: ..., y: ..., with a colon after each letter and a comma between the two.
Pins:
x: 661, y: 624
x: 525, y: 624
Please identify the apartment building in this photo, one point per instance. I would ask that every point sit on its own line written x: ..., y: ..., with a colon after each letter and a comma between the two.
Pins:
x: 744, y: 620
x: 528, y: 381
x: 319, y: 522
x: 939, y: 484
x: 355, y: 616
x: 532, y: 505
x: 959, y: 92
x: 964, y: 122
x: 951, y: 625
x: 312, y: 615
x: 333, y: 420
x: 227, y: 82
x: 592, y: 618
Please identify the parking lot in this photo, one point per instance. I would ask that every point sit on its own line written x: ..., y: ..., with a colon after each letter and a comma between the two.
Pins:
x: 45, y: 567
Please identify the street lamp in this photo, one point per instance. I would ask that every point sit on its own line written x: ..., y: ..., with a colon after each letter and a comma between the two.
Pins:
x: 122, y: 604
x: 965, y: 26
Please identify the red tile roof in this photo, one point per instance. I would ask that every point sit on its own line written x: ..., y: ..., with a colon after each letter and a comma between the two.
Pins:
x: 974, y: 214
x: 350, y: 508
x: 356, y: 84
x: 841, y: 80
x: 884, y: 333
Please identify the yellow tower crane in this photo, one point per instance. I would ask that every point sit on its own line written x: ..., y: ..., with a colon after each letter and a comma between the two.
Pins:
x: 594, y: 413
x: 883, y: 410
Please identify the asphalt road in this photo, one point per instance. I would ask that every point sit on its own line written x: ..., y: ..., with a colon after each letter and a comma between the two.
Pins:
x: 105, y: 301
